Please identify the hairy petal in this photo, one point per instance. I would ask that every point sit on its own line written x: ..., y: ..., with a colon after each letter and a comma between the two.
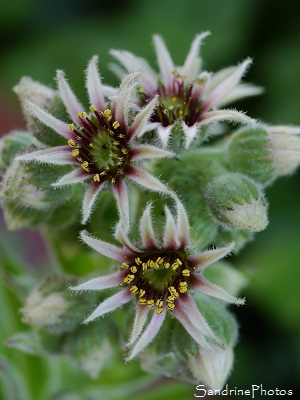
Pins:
x: 148, y: 152
x: 59, y: 155
x: 101, y: 283
x: 240, y: 91
x: 89, y: 199
x: 122, y: 237
x: 164, y: 60
x: 164, y: 133
x: 209, y: 288
x: 226, y: 86
x: 146, y: 229
x: 71, y: 102
x: 121, y: 195
x: 149, y: 334
x: 110, y: 304
x: 94, y: 86
x: 190, y: 133
x: 204, y: 259
x: 78, y: 175
x: 226, y: 115
x: 192, y: 56
x: 142, y: 118
x: 58, y: 126
x: 145, y: 179
x: 289, y: 130
x: 183, y: 226
x: 170, y: 240
x: 139, y: 323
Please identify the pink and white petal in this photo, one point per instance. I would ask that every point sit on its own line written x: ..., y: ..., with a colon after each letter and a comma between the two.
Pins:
x: 149, y: 334
x: 226, y: 115
x: 170, y: 240
x: 145, y: 179
x: 133, y: 63
x: 209, y: 288
x: 58, y: 126
x: 94, y: 86
x: 121, y: 195
x: 188, y: 306
x: 190, y: 133
x: 78, y: 175
x: 164, y: 133
x: 148, y: 152
x: 109, y: 91
x: 89, y: 199
x: 122, y: 101
x: 240, y: 91
x: 122, y: 237
x: 139, y: 323
x: 288, y: 130
x: 107, y: 249
x: 192, y: 57
x: 164, y: 60
x: 110, y: 304
x: 183, y: 226
x: 102, y: 282
x: 71, y: 102
x: 146, y: 230
x: 208, y: 257
x: 59, y: 155
x: 142, y: 118
x: 226, y: 86
x: 196, y: 334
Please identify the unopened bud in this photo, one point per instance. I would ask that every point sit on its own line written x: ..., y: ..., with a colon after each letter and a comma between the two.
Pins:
x: 237, y: 202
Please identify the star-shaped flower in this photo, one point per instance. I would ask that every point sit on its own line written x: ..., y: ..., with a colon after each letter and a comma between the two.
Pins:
x: 158, y: 277
x: 188, y: 97
x: 100, y: 142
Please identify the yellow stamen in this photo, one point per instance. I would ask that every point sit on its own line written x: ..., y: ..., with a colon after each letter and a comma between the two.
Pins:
x: 71, y: 142
x: 142, y: 301
x: 159, y: 310
x: 93, y: 108
x: 170, y: 108
x: 91, y: 145
x: 151, y: 264
x: 159, y: 303
x: 170, y: 306
x: 167, y: 265
x: 103, y: 173
x: 183, y: 289
x: 174, y: 266
x: 84, y: 114
x: 174, y: 99
x: 129, y: 278
x: 107, y: 112
x: 150, y: 303
x: 178, y: 261
x: 84, y: 166
x: 156, y: 265
x: 116, y: 124
x: 183, y: 284
x: 186, y: 272
x: 124, y: 151
x: 171, y: 298
x: 145, y: 266
x: 138, y: 260
x: 142, y: 292
x: 71, y: 127
x: 134, y: 289
x: 75, y: 153
x: 113, y: 181
x: 109, y: 118
x: 133, y: 269
x: 124, y: 265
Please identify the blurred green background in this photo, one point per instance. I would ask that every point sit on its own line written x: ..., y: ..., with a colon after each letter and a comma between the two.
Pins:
x: 40, y: 36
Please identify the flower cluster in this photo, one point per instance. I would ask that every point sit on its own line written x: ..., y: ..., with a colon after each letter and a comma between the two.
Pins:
x: 126, y: 134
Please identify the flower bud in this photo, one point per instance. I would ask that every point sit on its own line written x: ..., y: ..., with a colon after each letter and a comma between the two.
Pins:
x: 13, y: 143
x: 52, y: 307
x: 237, y: 202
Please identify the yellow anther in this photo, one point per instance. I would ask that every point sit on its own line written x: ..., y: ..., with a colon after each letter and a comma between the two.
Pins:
x: 156, y: 265
x: 121, y: 136
x: 79, y: 115
x: 115, y: 143
x: 103, y: 173
x: 75, y: 152
x: 133, y: 269
x: 93, y: 108
x: 71, y: 127
x: 171, y: 298
x: 170, y: 108
x: 119, y: 163
x: 167, y: 265
x: 142, y: 292
x: 159, y: 260
x: 124, y: 265
x: 174, y: 99
x: 129, y: 278
x: 138, y: 261
x: 124, y: 151
x: 159, y: 303
x: 170, y: 306
x: 84, y: 115
x: 113, y: 181
x: 80, y: 129
x: 134, y: 289
x: 183, y: 77
x: 84, y: 166
x: 141, y: 90
x: 150, y: 303
x: 151, y: 264
x: 174, y: 266
x: 171, y: 289
x: 183, y: 284
x: 178, y: 261
x: 159, y: 310
x: 79, y: 159
x: 186, y: 272
x: 183, y: 289
x: 145, y: 266
x: 109, y: 118
x: 116, y: 124
x: 107, y: 112
x: 91, y: 145
x: 142, y: 300
x: 71, y: 142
